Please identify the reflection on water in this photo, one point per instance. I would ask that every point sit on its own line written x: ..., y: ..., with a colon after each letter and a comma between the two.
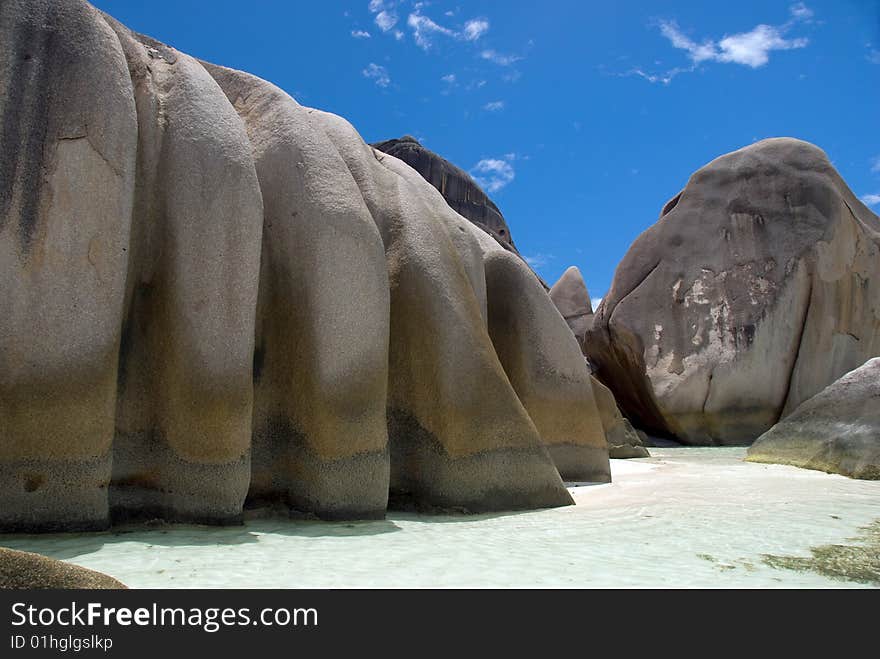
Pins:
x: 685, y: 517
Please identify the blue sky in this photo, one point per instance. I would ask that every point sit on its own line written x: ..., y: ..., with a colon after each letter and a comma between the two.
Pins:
x: 580, y: 118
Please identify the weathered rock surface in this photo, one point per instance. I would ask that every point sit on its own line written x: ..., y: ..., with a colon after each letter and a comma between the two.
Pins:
x: 24, y: 570
x: 622, y: 439
x: 67, y: 182
x: 546, y: 369
x: 572, y: 299
x: 185, y: 397
x: 321, y: 359
x: 758, y: 287
x: 214, y: 295
x: 837, y: 430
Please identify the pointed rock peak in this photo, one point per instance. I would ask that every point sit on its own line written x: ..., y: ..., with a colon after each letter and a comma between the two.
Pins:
x: 570, y: 294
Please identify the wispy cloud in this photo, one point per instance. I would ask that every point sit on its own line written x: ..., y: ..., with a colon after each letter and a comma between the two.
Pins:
x: 499, y: 58
x: 873, y: 55
x: 538, y: 260
x: 378, y: 74
x: 385, y: 17
x: 493, y: 173
x: 386, y: 20
x: 494, y: 106
x: 424, y: 29
x: 800, y: 11
x: 664, y: 78
x: 751, y: 48
x: 475, y: 28
x: 875, y: 165
x: 360, y: 34
x: 871, y: 199
x: 449, y: 79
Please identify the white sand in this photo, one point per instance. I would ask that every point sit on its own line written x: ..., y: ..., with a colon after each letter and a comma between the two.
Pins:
x: 685, y: 517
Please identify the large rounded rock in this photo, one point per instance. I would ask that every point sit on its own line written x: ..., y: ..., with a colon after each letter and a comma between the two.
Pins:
x: 547, y: 370
x: 23, y: 570
x: 185, y: 395
x: 758, y: 286
x: 223, y: 294
x: 321, y: 360
x: 458, y: 434
x: 67, y: 178
x: 837, y: 430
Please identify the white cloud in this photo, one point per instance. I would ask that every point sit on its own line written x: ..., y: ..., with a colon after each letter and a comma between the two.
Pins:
x: 800, y: 11
x: 376, y: 6
x: 499, y: 58
x: 449, y: 79
x: 494, y: 106
x: 750, y: 48
x: 475, y: 28
x: 360, y: 34
x: 398, y: 35
x: 753, y: 48
x: 875, y: 165
x: 595, y: 301
x: 386, y: 20
x: 378, y: 74
x: 538, y: 260
x: 424, y: 28
x: 511, y: 76
x: 871, y: 199
x: 493, y: 173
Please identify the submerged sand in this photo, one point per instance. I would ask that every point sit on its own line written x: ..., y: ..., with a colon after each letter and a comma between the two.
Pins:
x: 686, y: 517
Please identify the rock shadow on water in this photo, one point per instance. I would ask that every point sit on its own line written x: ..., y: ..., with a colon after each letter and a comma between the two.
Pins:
x: 314, y: 528
x: 64, y: 546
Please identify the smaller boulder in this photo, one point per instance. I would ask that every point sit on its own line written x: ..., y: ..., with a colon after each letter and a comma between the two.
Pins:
x: 572, y: 299
x: 21, y: 570
x: 623, y: 440
x: 836, y: 431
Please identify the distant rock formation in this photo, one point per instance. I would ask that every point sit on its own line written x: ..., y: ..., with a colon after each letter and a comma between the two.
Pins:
x: 758, y: 287
x: 837, y: 430
x: 572, y: 299
x: 459, y: 190
x: 213, y: 294
x: 23, y: 570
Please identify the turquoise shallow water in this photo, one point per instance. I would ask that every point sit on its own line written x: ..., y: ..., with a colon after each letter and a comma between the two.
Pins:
x: 686, y: 517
